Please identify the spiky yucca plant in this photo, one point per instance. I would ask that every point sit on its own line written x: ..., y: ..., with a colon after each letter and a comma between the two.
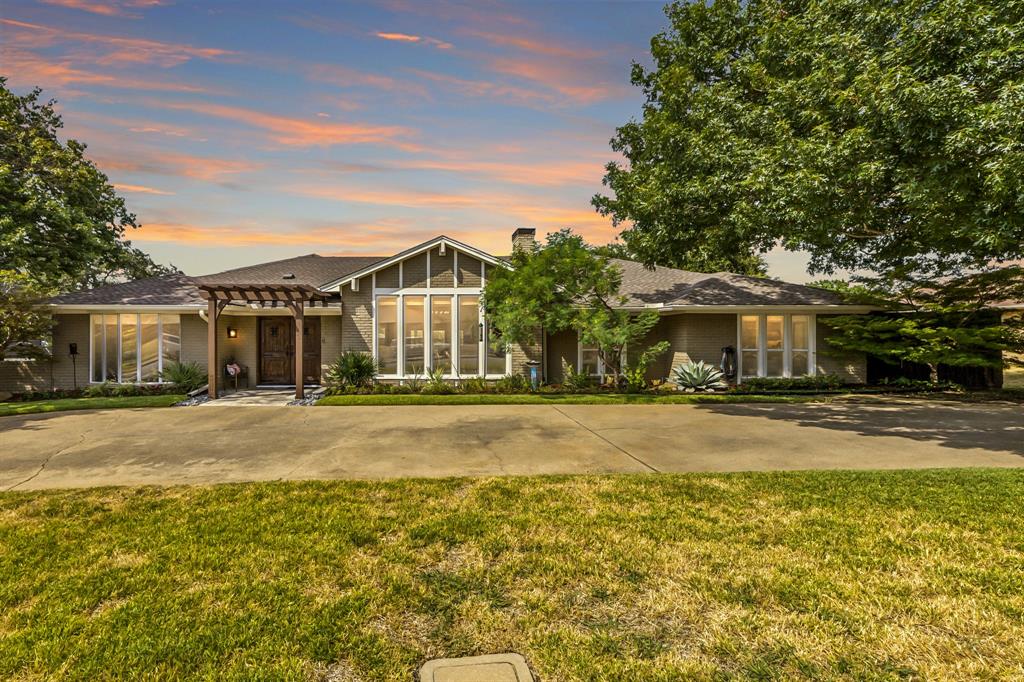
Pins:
x: 698, y: 376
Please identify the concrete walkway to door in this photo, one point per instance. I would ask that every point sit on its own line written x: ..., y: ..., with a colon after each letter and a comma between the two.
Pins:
x: 199, y: 445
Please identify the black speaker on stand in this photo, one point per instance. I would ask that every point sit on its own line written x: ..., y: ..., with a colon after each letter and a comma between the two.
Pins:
x: 73, y: 352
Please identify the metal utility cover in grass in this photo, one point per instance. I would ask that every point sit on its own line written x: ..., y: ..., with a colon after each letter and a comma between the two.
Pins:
x: 490, y: 668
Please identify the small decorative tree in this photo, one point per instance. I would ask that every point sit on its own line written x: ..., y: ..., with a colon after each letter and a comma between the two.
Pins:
x: 562, y: 286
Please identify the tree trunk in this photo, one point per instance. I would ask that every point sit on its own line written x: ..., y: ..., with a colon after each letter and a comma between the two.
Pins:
x: 933, y: 373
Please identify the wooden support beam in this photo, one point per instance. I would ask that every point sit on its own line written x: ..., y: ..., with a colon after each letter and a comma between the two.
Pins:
x: 211, y: 347
x: 299, y: 324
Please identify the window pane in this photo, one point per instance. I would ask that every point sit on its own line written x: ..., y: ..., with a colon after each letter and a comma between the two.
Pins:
x: 113, y: 362
x: 749, y: 331
x: 495, y: 358
x: 96, y: 346
x: 588, y: 360
x: 387, y: 334
x: 150, y: 348
x: 801, y: 323
x: 799, y: 363
x: 129, y: 351
x: 774, y: 363
x: 749, y: 360
x: 773, y: 329
x: 441, y: 333
x: 413, y: 334
x: 469, y: 335
x: 170, y: 338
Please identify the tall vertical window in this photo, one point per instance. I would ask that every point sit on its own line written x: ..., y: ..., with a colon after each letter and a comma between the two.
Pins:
x: 800, y: 343
x: 149, y: 348
x: 414, y: 334
x: 387, y: 334
x: 469, y: 335
x: 750, y: 335
x: 776, y: 345
x: 441, y: 333
x: 130, y: 347
x: 170, y: 339
x: 590, y: 361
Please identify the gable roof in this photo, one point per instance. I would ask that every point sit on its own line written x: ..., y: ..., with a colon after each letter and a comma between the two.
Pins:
x: 419, y: 248
x: 668, y: 287
x: 310, y: 269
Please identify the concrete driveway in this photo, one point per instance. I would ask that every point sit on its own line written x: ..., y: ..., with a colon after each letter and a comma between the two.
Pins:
x: 238, y: 443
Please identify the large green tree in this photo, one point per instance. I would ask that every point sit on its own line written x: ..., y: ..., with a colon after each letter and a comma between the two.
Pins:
x: 61, y: 222
x: 563, y: 286
x: 873, y: 134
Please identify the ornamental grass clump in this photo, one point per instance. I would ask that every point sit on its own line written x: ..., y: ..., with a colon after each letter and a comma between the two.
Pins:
x: 352, y: 369
x: 694, y: 377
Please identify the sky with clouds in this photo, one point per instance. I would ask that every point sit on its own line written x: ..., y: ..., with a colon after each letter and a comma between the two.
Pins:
x: 246, y: 131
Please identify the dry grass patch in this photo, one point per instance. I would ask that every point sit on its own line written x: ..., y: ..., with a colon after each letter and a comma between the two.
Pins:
x: 817, y: 575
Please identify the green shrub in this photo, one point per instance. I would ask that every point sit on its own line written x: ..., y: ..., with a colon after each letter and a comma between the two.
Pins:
x: 635, y: 378
x: 574, y: 381
x: 436, y: 384
x: 184, y: 376
x: 698, y: 376
x: 351, y: 368
x: 820, y: 382
x: 512, y: 383
x: 476, y: 385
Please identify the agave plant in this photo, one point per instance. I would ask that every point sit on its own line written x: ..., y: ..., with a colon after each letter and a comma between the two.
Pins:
x: 698, y: 376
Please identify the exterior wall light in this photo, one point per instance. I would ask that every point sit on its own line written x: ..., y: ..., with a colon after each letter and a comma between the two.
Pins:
x: 232, y: 333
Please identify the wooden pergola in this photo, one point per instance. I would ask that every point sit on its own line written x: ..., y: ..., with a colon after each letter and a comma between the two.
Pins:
x: 291, y: 296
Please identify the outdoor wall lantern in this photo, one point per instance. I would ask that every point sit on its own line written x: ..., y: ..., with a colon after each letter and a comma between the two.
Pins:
x: 232, y: 333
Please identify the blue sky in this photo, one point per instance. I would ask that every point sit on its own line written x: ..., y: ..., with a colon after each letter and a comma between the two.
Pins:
x: 247, y: 131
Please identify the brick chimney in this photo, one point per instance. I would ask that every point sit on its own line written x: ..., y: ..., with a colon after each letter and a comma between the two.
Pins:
x: 524, y: 238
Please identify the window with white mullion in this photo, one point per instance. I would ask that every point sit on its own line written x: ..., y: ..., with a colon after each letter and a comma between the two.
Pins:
x: 776, y: 345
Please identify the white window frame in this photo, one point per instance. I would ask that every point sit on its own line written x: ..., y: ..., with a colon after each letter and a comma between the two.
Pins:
x: 787, y: 343
x: 138, y: 346
x: 428, y: 291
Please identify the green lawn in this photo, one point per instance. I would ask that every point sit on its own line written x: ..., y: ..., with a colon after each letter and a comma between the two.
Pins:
x: 561, y: 399
x: 895, y: 575
x: 31, y: 407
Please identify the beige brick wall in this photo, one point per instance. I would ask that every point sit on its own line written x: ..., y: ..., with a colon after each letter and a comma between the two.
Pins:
x: 357, y: 317
x: 330, y: 341
x: 193, y: 339
x: 523, y: 353
x: 695, y: 337
x: 59, y: 372
x: 441, y: 268
x: 414, y: 271
x: 851, y: 367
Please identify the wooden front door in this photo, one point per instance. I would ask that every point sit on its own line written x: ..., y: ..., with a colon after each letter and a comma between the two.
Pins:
x: 277, y: 350
x: 276, y: 342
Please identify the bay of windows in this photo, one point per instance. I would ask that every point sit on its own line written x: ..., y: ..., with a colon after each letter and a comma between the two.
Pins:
x: 131, y: 347
x: 776, y: 345
x: 420, y: 332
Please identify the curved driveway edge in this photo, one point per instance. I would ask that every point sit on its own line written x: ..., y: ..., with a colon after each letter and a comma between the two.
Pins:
x: 195, y: 446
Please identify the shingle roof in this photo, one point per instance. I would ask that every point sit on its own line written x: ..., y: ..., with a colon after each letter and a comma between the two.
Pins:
x: 641, y: 286
x: 670, y: 287
x: 182, y: 290
x: 310, y: 269
x: 166, y: 290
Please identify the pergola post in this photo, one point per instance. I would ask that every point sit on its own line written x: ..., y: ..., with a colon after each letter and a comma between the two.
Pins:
x: 298, y: 312
x: 211, y: 347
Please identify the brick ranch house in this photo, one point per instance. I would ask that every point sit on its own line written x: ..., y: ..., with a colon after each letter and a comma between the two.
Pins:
x: 415, y: 310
